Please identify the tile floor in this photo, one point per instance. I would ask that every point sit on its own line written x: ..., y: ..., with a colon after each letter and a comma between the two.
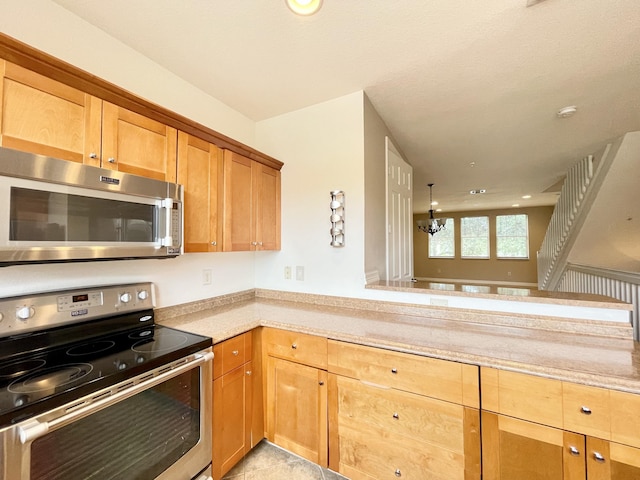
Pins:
x: 269, y: 462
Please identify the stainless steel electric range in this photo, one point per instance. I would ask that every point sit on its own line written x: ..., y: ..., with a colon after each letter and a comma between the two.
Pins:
x: 92, y: 388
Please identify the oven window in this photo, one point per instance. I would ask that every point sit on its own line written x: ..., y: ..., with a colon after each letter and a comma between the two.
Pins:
x: 38, y: 215
x: 135, y: 439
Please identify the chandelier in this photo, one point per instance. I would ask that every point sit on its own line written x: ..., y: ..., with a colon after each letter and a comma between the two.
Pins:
x: 434, y: 225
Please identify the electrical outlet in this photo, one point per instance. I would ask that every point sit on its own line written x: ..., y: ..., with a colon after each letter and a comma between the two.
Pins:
x: 206, y: 276
x: 287, y: 273
x: 299, y: 273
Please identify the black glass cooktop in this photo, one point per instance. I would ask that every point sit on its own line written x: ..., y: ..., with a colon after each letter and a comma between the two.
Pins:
x: 64, y: 364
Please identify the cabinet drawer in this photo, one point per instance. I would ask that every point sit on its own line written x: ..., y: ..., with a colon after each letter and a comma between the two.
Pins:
x: 586, y: 410
x: 522, y: 396
x: 442, y: 379
x: 231, y: 354
x: 407, y: 414
x: 298, y: 347
x: 376, y: 454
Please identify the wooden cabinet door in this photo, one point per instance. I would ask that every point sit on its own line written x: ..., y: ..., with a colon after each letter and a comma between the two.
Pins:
x: 516, y: 449
x: 251, y: 205
x: 136, y: 144
x: 230, y: 426
x: 297, y: 409
x: 611, y: 461
x: 200, y: 172
x: 239, y: 204
x: 45, y: 117
x: 267, y: 207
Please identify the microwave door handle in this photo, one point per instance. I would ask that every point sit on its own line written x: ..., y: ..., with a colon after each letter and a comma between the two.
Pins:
x: 35, y: 429
x: 167, y: 206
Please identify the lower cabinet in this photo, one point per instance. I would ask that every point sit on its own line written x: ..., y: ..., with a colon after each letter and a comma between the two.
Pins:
x: 237, y: 425
x: 297, y: 409
x: 514, y: 449
x: 381, y: 425
x: 296, y: 393
x: 545, y: 429
x: 385, y: 433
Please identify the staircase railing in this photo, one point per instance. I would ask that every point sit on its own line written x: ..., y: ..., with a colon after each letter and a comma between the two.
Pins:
x: 563, y: 218
x: 623, y: 286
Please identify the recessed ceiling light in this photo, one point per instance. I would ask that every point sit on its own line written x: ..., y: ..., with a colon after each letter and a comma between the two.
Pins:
x: 438, y: 209
x: 434, y: 203
x: 567, y: 112
x: 479, y: 190
x: 526, y: 196
x: 304, y: 7
x: 515, y: 205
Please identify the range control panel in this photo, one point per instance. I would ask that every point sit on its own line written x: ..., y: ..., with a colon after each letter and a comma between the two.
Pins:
x: 29, y: 313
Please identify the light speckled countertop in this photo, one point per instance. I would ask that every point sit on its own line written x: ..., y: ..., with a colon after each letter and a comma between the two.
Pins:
x: 565, y: 355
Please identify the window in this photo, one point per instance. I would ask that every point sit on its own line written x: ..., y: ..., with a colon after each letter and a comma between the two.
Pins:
x: 442, y: 244
x: 474, y: 234
x: 512, y: 236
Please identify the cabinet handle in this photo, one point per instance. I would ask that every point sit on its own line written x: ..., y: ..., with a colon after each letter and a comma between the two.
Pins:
x: 585, y: 410
x: 254, y: 243
x: 249, y: 373
x: 93, y: 155
x: 260, y: 243
x: 598, y: 457
x: 398, y: 472
x: 574, y: 451
x: 214, y: 243
x: 320, y: 383
x: 294, y: 345
x: 235, y: 352
x: 111, y: 160
x: 396, y: 416
x: 394, y: 370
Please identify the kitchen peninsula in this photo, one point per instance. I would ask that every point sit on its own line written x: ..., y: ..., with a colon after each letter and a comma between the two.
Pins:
x: 516, y: 366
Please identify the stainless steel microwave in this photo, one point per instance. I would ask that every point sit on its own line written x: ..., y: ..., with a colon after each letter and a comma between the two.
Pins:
x: 53, y: 210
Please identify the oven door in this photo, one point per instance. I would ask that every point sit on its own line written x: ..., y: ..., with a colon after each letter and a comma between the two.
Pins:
x: 154, y: 426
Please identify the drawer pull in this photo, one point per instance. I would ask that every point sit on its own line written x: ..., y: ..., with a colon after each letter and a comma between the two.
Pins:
x: 394, y: 370
x: 111, y: 160
x: 574, y: 451
x: 585, y: 410
x: 396, y: 416
x: 398, y: 472
x: 249, y: 373
x: 321, y: 383
x: 598, y: 457
x: 294, y: 345
x: 235, y: 353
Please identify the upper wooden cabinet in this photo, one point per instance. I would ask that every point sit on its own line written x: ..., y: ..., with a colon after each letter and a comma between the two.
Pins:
x: 136, y: 144
x: 200, y: 172
x: 43, y: 116
x: 251, y: 204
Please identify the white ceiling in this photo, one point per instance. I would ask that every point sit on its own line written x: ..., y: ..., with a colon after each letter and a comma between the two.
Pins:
x: 456, y: 81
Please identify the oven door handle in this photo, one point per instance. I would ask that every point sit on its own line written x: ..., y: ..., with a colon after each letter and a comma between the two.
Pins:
x: 34, y: 429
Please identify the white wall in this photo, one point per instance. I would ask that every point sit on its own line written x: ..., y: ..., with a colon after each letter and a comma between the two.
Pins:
x: 322, y: 149
x: 48, y: 27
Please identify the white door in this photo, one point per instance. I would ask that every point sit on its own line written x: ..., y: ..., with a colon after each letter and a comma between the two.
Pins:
x: 399, y: 216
